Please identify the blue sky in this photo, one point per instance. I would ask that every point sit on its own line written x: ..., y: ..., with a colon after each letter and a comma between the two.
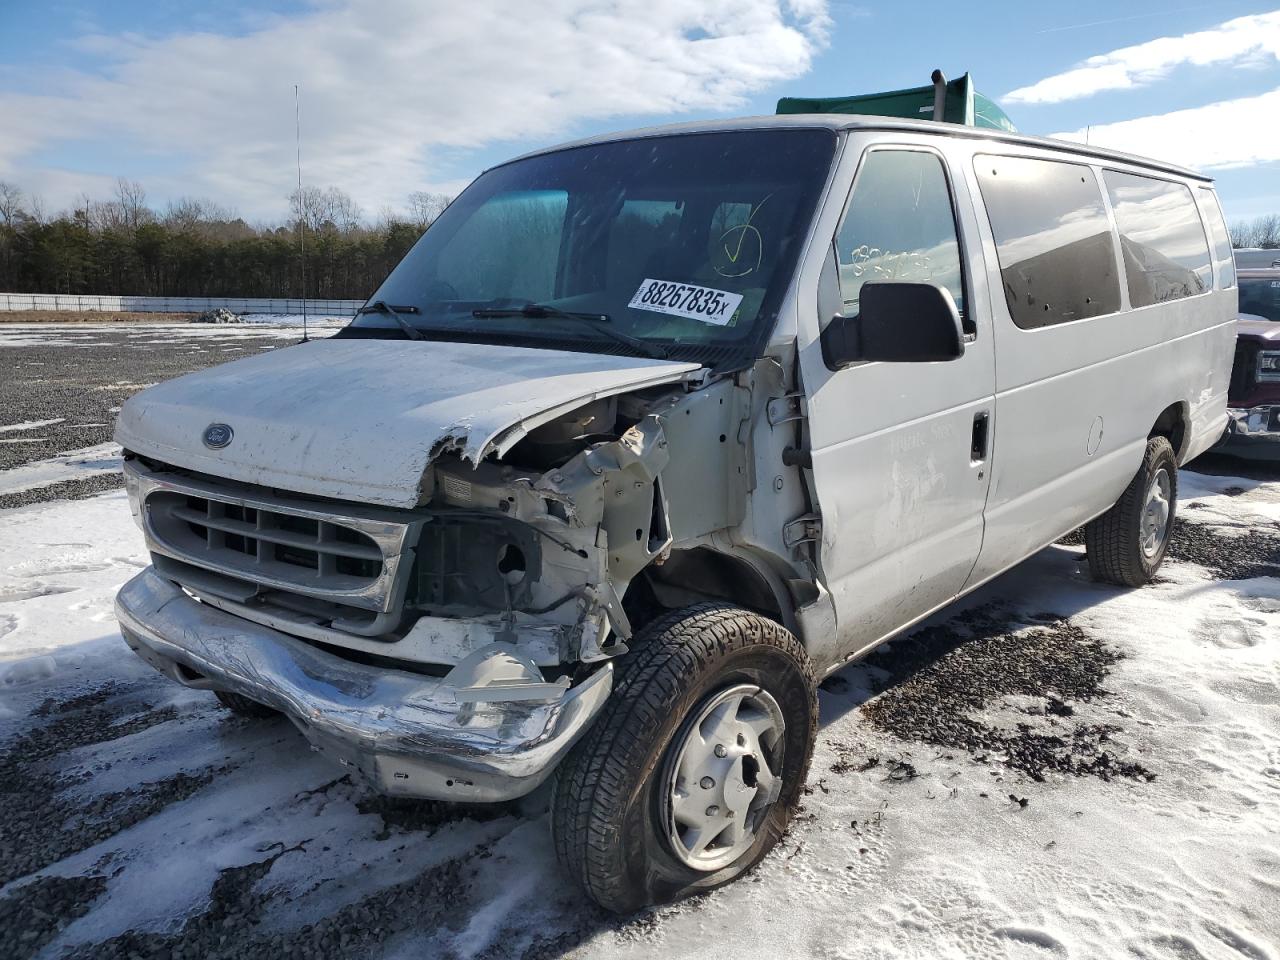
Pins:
x: 401, y: 95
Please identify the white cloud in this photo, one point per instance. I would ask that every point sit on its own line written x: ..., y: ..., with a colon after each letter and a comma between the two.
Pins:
x: 390, y: 87
x: 1231, y: 133
x: 1243, y: 41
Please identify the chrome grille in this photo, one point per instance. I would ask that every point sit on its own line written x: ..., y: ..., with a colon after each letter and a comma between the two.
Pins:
x: 269, y: 542
x: 280, y: 545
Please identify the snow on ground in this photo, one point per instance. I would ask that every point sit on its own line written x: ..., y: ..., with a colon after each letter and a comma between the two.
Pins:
x: 89, y: 335
x: 166, y: 824
x: 102, y: 458
x: 30, y: 424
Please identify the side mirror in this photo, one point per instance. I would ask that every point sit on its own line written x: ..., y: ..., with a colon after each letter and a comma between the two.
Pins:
x: 896, y: 323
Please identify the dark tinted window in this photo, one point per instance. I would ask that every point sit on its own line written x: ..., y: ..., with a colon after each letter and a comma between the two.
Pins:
x: 1053, y: 239
x: 1222, y: 252
x: 1261, y: 296
x: 900, y: 226
x: 1166, y: 256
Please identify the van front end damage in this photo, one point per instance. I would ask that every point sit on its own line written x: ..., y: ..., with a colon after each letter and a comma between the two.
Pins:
x: 406, y: 733
x: 457, y: 649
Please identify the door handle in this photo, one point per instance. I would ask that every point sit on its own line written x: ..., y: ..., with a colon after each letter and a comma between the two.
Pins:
x: 981, y: 436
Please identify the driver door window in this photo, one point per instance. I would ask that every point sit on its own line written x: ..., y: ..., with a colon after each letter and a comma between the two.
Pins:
x: 900, y: 225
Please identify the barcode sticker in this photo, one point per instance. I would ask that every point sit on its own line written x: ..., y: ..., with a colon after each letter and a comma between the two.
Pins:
x: 687, y: 300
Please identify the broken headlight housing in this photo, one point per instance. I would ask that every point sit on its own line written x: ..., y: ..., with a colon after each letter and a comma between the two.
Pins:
x: 472, y: 563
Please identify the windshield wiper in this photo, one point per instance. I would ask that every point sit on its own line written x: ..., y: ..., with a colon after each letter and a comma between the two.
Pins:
x: 597, y: 321
x: 396, y: 312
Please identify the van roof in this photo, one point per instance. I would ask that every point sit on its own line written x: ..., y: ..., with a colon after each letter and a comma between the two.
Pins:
x: 837, y: 122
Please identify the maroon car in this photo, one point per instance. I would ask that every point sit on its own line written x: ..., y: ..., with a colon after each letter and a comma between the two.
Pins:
x: 1254, y: 396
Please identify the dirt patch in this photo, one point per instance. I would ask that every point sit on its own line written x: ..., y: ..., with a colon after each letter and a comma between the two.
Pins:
x: 941, y: 681
x: 227, y: 928
x: 35, y: 913
x: 1073, y: 539
x: 1253, y: 553
x: 42, y: 822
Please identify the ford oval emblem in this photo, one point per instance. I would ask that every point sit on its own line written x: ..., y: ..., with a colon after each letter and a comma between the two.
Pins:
x: 217, y: 436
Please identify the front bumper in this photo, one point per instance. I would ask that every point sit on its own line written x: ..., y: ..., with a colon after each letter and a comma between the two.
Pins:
x: 1263, y: 421
x: 1252, y: 431
x: 407, y: 734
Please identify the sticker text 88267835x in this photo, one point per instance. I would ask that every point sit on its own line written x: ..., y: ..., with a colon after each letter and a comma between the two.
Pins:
x: 686, y: 300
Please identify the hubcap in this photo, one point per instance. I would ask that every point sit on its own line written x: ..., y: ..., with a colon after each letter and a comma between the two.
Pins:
x: 1156, y: 513
x: 723, y: 776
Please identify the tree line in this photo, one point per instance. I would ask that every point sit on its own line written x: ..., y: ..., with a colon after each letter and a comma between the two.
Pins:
x: 194, y: 247
x: 1261, y: 232
x: 197, y: 248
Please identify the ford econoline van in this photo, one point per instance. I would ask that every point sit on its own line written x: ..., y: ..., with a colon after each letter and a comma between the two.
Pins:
x: 651, y: 432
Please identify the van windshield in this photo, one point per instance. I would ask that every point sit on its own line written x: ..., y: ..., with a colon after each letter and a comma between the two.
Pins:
x: 683, y: 245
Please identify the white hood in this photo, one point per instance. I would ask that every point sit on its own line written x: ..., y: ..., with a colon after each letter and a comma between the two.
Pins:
x: 360, y: 419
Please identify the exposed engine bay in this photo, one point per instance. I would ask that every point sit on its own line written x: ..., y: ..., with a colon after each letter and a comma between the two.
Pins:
x: 533, y: 547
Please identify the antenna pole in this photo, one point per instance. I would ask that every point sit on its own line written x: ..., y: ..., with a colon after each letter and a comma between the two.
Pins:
x: 302, y: 226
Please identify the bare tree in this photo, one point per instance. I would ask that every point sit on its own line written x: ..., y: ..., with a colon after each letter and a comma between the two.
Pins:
x: 189, y: 213
x: 1268, y: 231
x: 1261, y: 232
x: 425, y: 207
x: 10, y: 203
x: 132, y: 200
x: 36, y: 209
x: 329, y: 209
x: 344, y: 212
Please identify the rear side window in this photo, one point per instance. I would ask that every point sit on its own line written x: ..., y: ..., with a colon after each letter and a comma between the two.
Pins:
x: 900, y: 226
x: 1053, y: 239
x: 1223, y: 258
x: 1166, y: 256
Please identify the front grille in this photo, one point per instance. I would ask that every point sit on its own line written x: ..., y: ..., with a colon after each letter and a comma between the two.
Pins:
x: 249, y: 543
x: 259, y: 541
x: 1243, y: 371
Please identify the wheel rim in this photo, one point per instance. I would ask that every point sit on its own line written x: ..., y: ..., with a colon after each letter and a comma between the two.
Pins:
x: 1157, y: 512
x: 724, y: 775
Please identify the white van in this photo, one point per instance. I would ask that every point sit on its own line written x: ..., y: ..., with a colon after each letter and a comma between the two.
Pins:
x: 650, y: 432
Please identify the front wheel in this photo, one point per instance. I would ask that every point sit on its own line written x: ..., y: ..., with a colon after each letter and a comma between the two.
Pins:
x: 689, y: 776
x: 1127, y: 544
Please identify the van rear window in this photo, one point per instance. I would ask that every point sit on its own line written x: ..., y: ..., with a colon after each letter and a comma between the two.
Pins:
x: 1053, y: 239
x: 1223, y: 256
x: 1166, y: 255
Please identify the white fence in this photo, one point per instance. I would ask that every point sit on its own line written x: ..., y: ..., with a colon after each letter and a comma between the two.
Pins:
x: 10, y: 302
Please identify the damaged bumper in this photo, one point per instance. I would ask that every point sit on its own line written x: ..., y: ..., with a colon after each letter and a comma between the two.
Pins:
x: 1252, y: 431
x: 490, y: 730
x: 1259, y: 422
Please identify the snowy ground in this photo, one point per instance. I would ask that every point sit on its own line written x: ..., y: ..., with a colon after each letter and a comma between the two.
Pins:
x: 1056, y: 769
x: 142, y: 817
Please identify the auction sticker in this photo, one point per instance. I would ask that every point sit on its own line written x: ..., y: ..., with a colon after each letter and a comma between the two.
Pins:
x: 686, y: 300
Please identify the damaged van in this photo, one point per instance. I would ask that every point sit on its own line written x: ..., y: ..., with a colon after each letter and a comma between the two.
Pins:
x: 651, y: 432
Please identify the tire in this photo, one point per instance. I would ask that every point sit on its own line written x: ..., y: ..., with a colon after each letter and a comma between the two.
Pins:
x: 1127, y: 544
x: 243, y: 706
x: 613, y: 819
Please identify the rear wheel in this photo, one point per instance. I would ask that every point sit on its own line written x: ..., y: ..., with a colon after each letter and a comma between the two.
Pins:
x: 244, y: 706
x: 1127, y: 544
x: 689, y: 776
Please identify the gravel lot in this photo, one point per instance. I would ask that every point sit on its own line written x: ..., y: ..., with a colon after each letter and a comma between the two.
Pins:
x: 1054, y: 769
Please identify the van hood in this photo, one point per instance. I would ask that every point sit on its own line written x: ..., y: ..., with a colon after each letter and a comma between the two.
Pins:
x: 362, y: 419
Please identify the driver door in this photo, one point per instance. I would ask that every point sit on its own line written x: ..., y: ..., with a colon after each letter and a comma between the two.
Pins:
x: 900, y: 451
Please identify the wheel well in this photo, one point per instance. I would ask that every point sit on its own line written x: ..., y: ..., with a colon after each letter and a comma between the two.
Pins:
x: 692, y: 576
x: 1172, y: 425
